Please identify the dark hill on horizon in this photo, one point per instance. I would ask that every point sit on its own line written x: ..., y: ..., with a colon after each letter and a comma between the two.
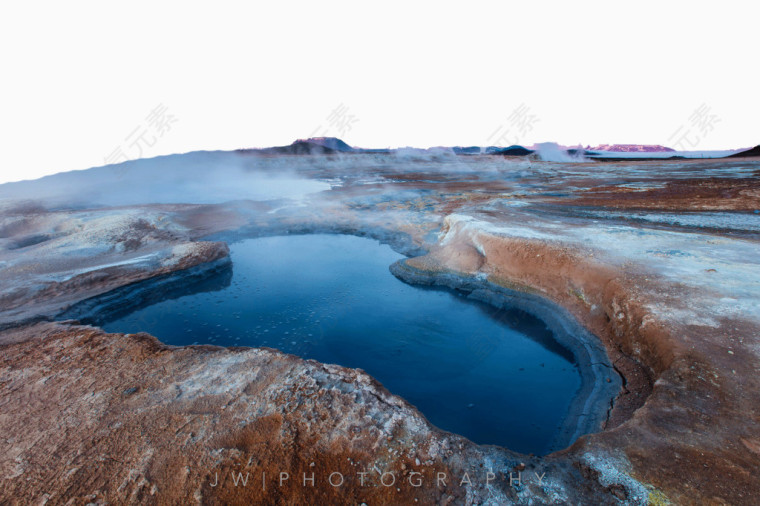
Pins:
x: 747, y: 154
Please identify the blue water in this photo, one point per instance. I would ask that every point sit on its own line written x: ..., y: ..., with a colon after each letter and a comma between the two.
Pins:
x: 495, y: 376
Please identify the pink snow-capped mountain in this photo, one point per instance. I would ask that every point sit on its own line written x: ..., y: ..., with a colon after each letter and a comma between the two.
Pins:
x: 630, y: 148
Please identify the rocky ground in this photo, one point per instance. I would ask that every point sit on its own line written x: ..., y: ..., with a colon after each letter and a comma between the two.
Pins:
x: 657, y: 259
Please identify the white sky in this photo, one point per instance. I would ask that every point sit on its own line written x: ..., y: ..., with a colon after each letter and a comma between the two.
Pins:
x: 79, y: 77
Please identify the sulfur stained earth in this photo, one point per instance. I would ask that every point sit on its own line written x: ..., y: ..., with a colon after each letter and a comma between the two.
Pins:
x: 659, y: 260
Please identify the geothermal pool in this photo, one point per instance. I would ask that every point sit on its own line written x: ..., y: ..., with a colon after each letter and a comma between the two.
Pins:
x: 495, y: 376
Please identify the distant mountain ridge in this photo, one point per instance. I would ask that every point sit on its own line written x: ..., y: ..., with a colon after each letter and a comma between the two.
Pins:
x: 314, y: 146
x: 310, y: 146
x: 749, y: 153
x: 630, y: 148
x: 329, y: 142
x: 334, y: 145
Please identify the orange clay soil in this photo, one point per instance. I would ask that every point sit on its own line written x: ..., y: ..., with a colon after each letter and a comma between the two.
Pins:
x: 706, y: 194
x: 693, y: 433
x: 91, y: 417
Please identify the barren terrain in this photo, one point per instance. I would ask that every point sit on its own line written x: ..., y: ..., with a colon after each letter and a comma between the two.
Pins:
x: 657, y: 259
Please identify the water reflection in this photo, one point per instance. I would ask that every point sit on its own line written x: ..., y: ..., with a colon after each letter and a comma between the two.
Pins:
x: 494, y: 375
